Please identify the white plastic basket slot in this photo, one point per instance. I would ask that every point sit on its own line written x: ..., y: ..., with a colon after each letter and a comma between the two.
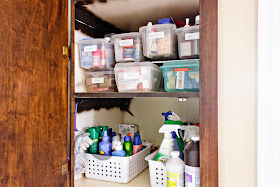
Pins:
x: 116, y: 169
x: 157, y: 171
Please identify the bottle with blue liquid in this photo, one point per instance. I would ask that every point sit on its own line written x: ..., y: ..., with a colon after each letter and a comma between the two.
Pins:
x: 105, y: 146
x: 119, y: 150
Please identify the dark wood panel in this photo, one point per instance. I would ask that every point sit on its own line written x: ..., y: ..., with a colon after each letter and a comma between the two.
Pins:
x: 72, y: 160
x: 208, y: 93
x: 136, y: 94
x: 33, y: 93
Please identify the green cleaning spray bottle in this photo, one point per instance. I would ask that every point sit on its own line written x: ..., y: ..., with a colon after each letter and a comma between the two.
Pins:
x: 167, y: 144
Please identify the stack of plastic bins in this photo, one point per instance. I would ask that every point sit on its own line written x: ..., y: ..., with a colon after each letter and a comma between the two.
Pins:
x: 128, y: 47
x: 188, y: 41
x: 100, y: 80
x: 96, y: 53
x: 181, y: 76
x: 137, y: 77
x: 159, y: 41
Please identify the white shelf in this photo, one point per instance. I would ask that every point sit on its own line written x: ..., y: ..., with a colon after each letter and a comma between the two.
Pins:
x: 142, y: 180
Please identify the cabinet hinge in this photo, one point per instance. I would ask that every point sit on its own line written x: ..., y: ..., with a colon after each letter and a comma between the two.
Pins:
x: 65, y: 168
x: 66, y: 51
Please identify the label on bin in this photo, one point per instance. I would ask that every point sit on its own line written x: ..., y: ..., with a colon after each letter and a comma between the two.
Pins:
x: 131, y: 75
x: 155, y: 35
x: 182, y: 69
x: 180, y: 81
x: 192, y: 36
x: 127, y: 42
x: 97, y: 80
x: 90, y: 48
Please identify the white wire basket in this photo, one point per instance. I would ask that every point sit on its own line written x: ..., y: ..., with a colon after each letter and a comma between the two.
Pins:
x: 116, y: 169
x: 157, y: 171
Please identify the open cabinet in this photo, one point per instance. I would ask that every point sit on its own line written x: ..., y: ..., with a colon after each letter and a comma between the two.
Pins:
x: 37, y: 91
x: 206, y: 98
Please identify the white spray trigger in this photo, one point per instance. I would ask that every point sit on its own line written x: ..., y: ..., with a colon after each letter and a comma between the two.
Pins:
x: 169, y: 128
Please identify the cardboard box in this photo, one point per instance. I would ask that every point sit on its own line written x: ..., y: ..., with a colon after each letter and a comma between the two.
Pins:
x: 128, y: 128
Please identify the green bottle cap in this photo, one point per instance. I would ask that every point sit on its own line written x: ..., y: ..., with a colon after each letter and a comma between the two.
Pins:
x: 98, y: 128
x: 94, y: 134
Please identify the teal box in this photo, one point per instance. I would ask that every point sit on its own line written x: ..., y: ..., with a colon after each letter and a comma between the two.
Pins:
x: 181, y: 75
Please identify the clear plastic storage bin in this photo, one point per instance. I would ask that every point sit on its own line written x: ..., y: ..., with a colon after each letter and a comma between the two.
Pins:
x: 137, y: 77
x: 128, y: 47
x: 180, y: 76
x: 96, y: 53
x: 114, y: 168
x: 159, y: 41
x: 100, y: 80
x: 188, y: 41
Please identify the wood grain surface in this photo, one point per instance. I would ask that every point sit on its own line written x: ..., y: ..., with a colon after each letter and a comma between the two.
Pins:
x: 208, y: 93
x: 33, y: 93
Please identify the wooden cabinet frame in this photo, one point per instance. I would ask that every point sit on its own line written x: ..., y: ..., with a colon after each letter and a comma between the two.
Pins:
x: 208, y: 94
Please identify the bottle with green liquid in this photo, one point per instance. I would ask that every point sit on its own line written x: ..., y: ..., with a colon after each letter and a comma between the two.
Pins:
x: 127, y: 145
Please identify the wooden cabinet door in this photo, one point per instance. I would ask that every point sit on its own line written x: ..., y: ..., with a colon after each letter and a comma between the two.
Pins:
x: 33, y: 92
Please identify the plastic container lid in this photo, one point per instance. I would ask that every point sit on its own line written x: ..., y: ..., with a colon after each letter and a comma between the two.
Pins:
x: 180, y: 63
x: 119, y: 146
x: 127, y: 138
x: 96, y: 72
x: 92, y: 41
x: 172, y: 26
x: 175, y: 153
x: 195, y: 138
x: 165, y: 21
x: 120, y: 66
x: 126, y: 35
x: 187, y: 29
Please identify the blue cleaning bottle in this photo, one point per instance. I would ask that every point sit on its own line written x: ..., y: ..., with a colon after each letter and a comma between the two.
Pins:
x: 176, y: 145
x: 119, y: 150
x: 137, y: 144
x: 105, y: 146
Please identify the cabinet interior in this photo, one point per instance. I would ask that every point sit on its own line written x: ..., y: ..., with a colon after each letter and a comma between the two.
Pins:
x: 128, y: 16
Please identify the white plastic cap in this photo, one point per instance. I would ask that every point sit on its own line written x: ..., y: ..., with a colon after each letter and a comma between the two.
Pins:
x: 175, y: 153
x: 167, y: 135
x: 197, y: 20
x: 195, y: 138
x: 187, y: 22
x: 116, y: 138
x: 119, y: 146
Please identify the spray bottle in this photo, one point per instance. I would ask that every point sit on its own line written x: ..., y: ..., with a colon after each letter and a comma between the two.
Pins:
x: 171, y: 118
x: 168, y: 142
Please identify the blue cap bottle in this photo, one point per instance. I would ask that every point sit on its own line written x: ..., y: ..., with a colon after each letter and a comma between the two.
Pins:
x: 137, y: 144
x: 127, y: 145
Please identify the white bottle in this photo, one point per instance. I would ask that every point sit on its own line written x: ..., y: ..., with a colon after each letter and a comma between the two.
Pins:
x: 115, y: 139
x: 166, y: 147
x: 175, y: 170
